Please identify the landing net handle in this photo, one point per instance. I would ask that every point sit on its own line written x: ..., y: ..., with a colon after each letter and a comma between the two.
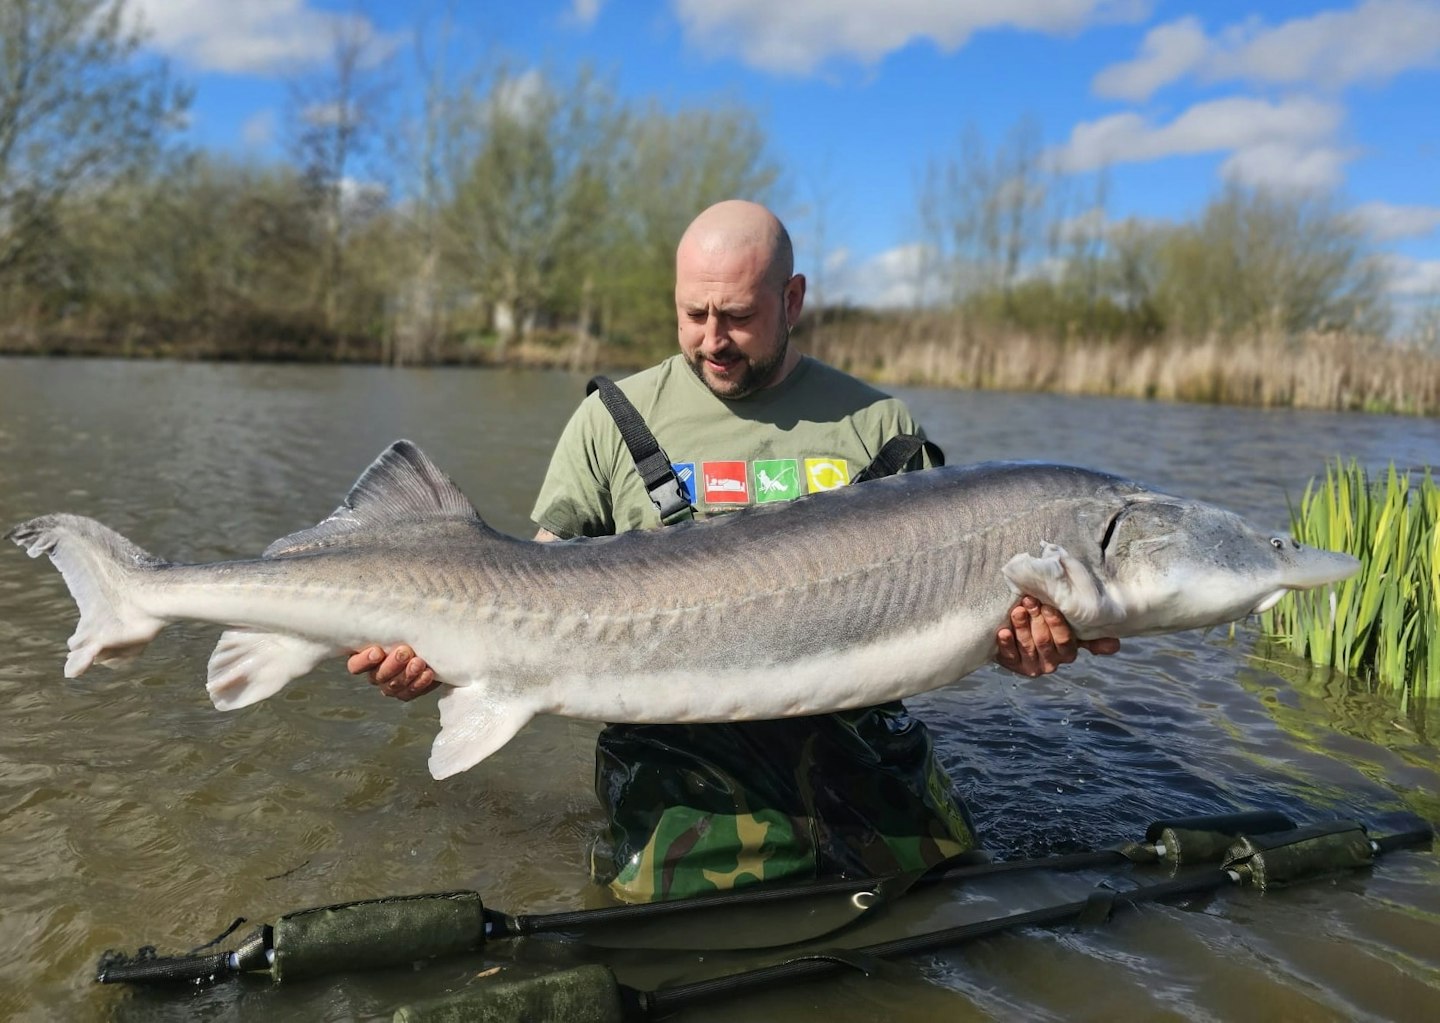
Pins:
x: 146, y: 967
x: 369, y: 934
x: 399, y: 930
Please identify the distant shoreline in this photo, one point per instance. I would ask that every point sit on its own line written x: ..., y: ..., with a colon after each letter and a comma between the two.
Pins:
x: 1326, y: 372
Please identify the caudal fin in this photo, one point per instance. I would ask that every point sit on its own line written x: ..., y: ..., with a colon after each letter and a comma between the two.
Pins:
x: 101, y: 568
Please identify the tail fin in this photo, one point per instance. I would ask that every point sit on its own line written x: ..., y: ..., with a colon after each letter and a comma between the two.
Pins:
x: 100, y: 568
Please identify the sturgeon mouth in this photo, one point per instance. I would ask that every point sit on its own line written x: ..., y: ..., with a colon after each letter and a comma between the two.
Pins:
x: 1269, y: 600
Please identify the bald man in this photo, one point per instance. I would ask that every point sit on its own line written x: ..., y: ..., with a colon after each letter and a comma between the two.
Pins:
x: 748, y: 420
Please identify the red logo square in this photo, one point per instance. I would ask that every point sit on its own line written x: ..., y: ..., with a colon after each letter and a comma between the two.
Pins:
x: 725, y: 482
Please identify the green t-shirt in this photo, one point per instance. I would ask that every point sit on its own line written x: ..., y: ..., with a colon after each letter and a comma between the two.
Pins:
x: 814, y: 431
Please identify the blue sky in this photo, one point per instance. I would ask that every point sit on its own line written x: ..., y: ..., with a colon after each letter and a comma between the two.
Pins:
x: 1173, y: 98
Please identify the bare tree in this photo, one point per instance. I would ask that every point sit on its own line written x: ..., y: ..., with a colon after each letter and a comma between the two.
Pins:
x: 78, y: 108
x: 1264, y: 260
x: 418, y: 322
x: 532, y: 199
x: 991, y: 213
x: 820, y: 192
x: 337, y: 116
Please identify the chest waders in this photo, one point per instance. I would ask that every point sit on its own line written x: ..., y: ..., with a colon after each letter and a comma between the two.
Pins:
x: 651, y: 462
x: 698, y: 809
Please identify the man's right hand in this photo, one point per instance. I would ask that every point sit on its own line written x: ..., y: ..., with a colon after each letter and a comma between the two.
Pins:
x: 1038, y: 640
x: 399, y: 673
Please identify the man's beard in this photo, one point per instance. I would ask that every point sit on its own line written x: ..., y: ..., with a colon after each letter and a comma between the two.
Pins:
x: 755, y: 376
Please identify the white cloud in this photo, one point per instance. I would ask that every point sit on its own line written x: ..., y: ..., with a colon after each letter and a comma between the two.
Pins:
x: 1091, y: 223
x: 1387, y: 222
x: 1167, y: 53
x: 1285, y: 143
x: 1284, y: 165
x: 258, y: 131
x: 836, y: 261
x: 521, y: 97
x: 797, y: 35
x: 251, y: 36
x: 327, y: 115
x: 1374, y: 41
x: 902, y: 277
x: 584, y: 12
x: 1414, y: 277
x: 362, y: 195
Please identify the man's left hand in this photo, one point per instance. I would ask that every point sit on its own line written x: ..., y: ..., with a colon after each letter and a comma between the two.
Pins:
x: 1038, y: 640
x: 400, y: 672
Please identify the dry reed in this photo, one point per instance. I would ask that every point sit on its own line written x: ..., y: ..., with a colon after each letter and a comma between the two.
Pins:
x: 1312, y: 371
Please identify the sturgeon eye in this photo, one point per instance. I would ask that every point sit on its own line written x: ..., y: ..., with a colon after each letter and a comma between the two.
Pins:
x: 1277, y: 542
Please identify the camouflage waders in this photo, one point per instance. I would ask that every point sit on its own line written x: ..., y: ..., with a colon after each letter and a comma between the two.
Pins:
x: 702, y: 808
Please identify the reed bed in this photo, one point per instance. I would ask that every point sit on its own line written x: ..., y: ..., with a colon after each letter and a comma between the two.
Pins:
x: 1331, y: 371
x: 1334, y: 371
x: 1382, y: 624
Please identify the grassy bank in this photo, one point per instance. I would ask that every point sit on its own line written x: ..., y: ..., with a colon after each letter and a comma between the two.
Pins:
x: 1382, y: 624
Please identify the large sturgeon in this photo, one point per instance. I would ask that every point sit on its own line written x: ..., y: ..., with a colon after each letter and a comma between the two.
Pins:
x: 844, y: 599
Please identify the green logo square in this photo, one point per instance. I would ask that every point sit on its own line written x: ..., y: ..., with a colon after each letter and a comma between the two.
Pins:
x: 776, y: 479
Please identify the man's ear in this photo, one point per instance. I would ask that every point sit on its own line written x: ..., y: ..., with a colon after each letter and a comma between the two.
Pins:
x: 794, y: 299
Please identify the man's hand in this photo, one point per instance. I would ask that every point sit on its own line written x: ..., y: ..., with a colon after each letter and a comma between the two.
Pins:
x: 1038, y: 640
x: 400, y: 673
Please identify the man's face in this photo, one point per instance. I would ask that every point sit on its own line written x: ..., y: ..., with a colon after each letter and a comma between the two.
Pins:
x: 733, y: 323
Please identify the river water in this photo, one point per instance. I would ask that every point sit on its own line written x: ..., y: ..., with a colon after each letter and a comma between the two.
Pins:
x: 132, y: 813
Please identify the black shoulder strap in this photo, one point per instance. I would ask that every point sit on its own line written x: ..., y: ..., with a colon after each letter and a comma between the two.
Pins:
x: 896, y: 454
x: 650, y: 460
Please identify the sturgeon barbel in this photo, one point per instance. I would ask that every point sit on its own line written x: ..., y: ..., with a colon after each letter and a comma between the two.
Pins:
x: 843, y: 599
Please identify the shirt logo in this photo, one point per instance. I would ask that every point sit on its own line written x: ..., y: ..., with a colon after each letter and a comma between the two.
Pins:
x: 685, y: 473
x: 726, y: 482
x: 776, y: 479
x: 826, y: 474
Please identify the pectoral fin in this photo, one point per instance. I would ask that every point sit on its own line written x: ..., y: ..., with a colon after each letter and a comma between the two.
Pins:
x: 248, y: 666
x: 473, y: 724
x: 1065, y: 582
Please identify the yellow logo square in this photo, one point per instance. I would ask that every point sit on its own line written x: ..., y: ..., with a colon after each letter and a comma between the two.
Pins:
x: 825, y: 474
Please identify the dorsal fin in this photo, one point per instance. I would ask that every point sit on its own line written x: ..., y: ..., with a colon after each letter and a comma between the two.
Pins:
x: 402, y: 485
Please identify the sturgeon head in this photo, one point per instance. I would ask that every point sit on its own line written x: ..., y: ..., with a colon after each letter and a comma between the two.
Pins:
x: 1165, y: 564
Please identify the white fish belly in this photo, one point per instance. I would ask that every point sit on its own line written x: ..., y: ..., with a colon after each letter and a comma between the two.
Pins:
x: 914, y: 662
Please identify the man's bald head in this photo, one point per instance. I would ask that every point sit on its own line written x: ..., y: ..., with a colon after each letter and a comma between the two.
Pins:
x: 735, y: 227
x: 736, y: 298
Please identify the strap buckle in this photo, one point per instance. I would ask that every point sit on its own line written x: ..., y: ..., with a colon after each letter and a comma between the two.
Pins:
x: 671, y: 500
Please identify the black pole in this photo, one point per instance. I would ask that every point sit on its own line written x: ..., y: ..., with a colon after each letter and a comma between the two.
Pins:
x: 1219, y: 828
x: 662, y: 1002
x: 655, y: 1004
x: 516, y: 926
